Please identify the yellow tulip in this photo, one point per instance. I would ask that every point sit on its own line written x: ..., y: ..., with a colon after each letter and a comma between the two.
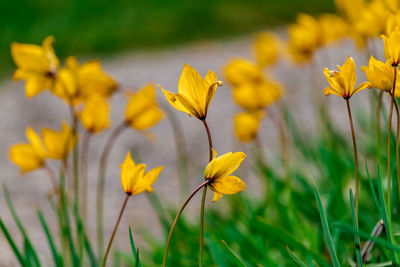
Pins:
x: 246, y: 125
x: 194, y: 93
x: 371, y: 19
x: 133, y: 179
x: 257, y: 96
x: 95, y: 115
x: 28, y: 156
x: 333, y: 28
x: 392, y: 23
x: 59, y: 144
x: 391, y: 47
x: 350, y: 8
x: 265, y: 49
x: 342, y: 82
x: 219, y: 171
x: 35, y: 64
x: 142, y: 111
x: 240, y: 71
x: 381, y: 75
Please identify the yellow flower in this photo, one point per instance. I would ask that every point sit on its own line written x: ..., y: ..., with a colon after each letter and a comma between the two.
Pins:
x: 59, y: 144
x: 35, y: 64
x: 392, y: 23
x: 371, y: 20
x: 194, y: 93
x: 257, y: 96
x: 392, y: 47
x: 246, y: 125
x: 240, y: 71
x: 133, y: 179
x: 265, y: 49
x: 218, y: 172
x: 76, y: 83
x: 28, y: 156
x: 381, y: 75
x: 95, y: 115
x: 342, y: 82
x: 333, y: 28
x: 142, y: 111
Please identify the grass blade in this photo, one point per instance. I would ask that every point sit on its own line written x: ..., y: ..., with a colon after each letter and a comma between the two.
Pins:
x: 135, y: 251
x: 356, y: 232
x: 235, y: 257
x: 56, y: 256
x: 295, y: 259
x: 13, y: 246
x: 325, y: 227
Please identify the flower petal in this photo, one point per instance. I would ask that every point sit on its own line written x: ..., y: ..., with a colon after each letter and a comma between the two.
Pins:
x: 224, y: 165
x: 228, y: 185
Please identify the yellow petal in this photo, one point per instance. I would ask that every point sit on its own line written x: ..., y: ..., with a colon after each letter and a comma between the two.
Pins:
x: 58, y: 144
x: 216, y: 196
x: 147, y: 180
x: 95, y: 116
x: 147, y: 118
x: 228, y: 185
x: 181, y: 103
x: 35, y: 142
x: 192, y: 86
x: 30, y: 57
x: 224, y: 165
x: 246, y: 126
x: 25, y: 157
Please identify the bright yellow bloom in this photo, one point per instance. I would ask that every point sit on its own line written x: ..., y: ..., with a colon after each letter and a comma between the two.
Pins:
x: 133, y: 179
x: 59, y: 144
x: 28, y: 156
x: 246, y: 125
x: 350, y: 9
x: 76, y: 83
x: 240, y: 71
x: 342, y: 82
x: 381, y: 75
x: 392, y: 47
x: 392, y: 23
x: 95, y: 115
x: 265, y: 49
x: 142, y: 111
x: 36, y: 64
x: 257, y: 96
x: 333, y: 28
x: 194, y: 93
x: 218, y: 172
x: 371, y: 20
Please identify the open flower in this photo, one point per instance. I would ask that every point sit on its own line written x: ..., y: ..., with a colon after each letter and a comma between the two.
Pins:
x: 28, y: 156
x: 218, y: 172
x: 142, y: 111
x: 194, y: 93
x: 133, y: 179
x: 241, y: 71
x: 391, y: 47
x: 265, y: 49
x: 342, y: 82
x: 95, y: 115
x: 59, y: 144
x: 246, y: 125
x: 37, y: 65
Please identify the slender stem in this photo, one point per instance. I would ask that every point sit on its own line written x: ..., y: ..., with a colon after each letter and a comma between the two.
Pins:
x: 261, y: 154
x: 100, y: 185
x: 52, y: 177
x: 389, y: 193
x: 353, y: 136
x: 378, y: 125
x: 75, y: 157
x: 397, y: 144
x: 176, y: 220
x: 115, y: 230
x: 210, y: 145
x: 84, y: 174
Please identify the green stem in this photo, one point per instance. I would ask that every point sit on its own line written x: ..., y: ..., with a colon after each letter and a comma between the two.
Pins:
x: 115, y: 230
x: 378, y: 125
x: 171, y: 231
x: 53, y: 178
x: 397, y: 145
x: 84, y: 175
x: 75, y: 157
x: 100, y: 185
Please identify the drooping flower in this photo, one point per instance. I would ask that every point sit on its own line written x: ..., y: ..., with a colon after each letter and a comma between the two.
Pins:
x: 95, y: 116
x: 241, y: 71
x: 246, y: 125
x: 391, y: 47
x: 59, y: 144
x: 134, y: 180
x: 194, y: 93
x: 142, y: 111
x: 28, y: 156
x: 265, y: 49
x: 219, y: 171
x: 37, y: 65
x: 342, y: 82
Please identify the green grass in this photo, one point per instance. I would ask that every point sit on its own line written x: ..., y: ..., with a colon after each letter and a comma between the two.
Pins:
x: 103, y: 27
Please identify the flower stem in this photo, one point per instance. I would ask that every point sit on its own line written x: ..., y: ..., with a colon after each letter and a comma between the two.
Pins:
x: 84, y: 174
x: 353, y: 136
x: 115, y: 230
x: 210, y: 145
x: 176, y: 220
x: 261, y: 154
x: 397, y: 144
x: 378, y: 126
x: 75, y: 157
x: 100, y: 185
x: 53, y: 178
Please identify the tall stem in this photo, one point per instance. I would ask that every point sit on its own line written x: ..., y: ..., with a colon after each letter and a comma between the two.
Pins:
x: 115, y: 230
x: 84, y: 174
x: 378, y: 125
x: 100, y: 185
x: 75, y: 157
x: 397, y: 144
x: 52, y: 177
x: 353, y: 136
x: 171, y: 231
x: 261, y: 154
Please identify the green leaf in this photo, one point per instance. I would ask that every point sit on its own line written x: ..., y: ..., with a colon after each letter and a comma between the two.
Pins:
x: 295, y: 259
x: 356, y: 232
x: 56, y: 256
x: 135, y: 251
x: 235, y: 257
x: 14, y: 247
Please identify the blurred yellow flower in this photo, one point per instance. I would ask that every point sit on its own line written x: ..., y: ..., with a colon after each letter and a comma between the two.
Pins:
x: 194, y: 93
x: 381, y: 75
x: 218, y: 172
x: 350, y: 8
x: 342, y: 82
x: 257, y: 96
x: 35, y: 64
x: 371, y: 19
x: 95, y: 115
x: 133, y: 179
x: 28, y: 156
x: 246, y: 125
x: 76, y: 83
x: 240, y: 71
x: 265, y: 49
x: 333, y: 28
x: 59, y: 144
x: 392, y: 23
x: 392, y: 47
